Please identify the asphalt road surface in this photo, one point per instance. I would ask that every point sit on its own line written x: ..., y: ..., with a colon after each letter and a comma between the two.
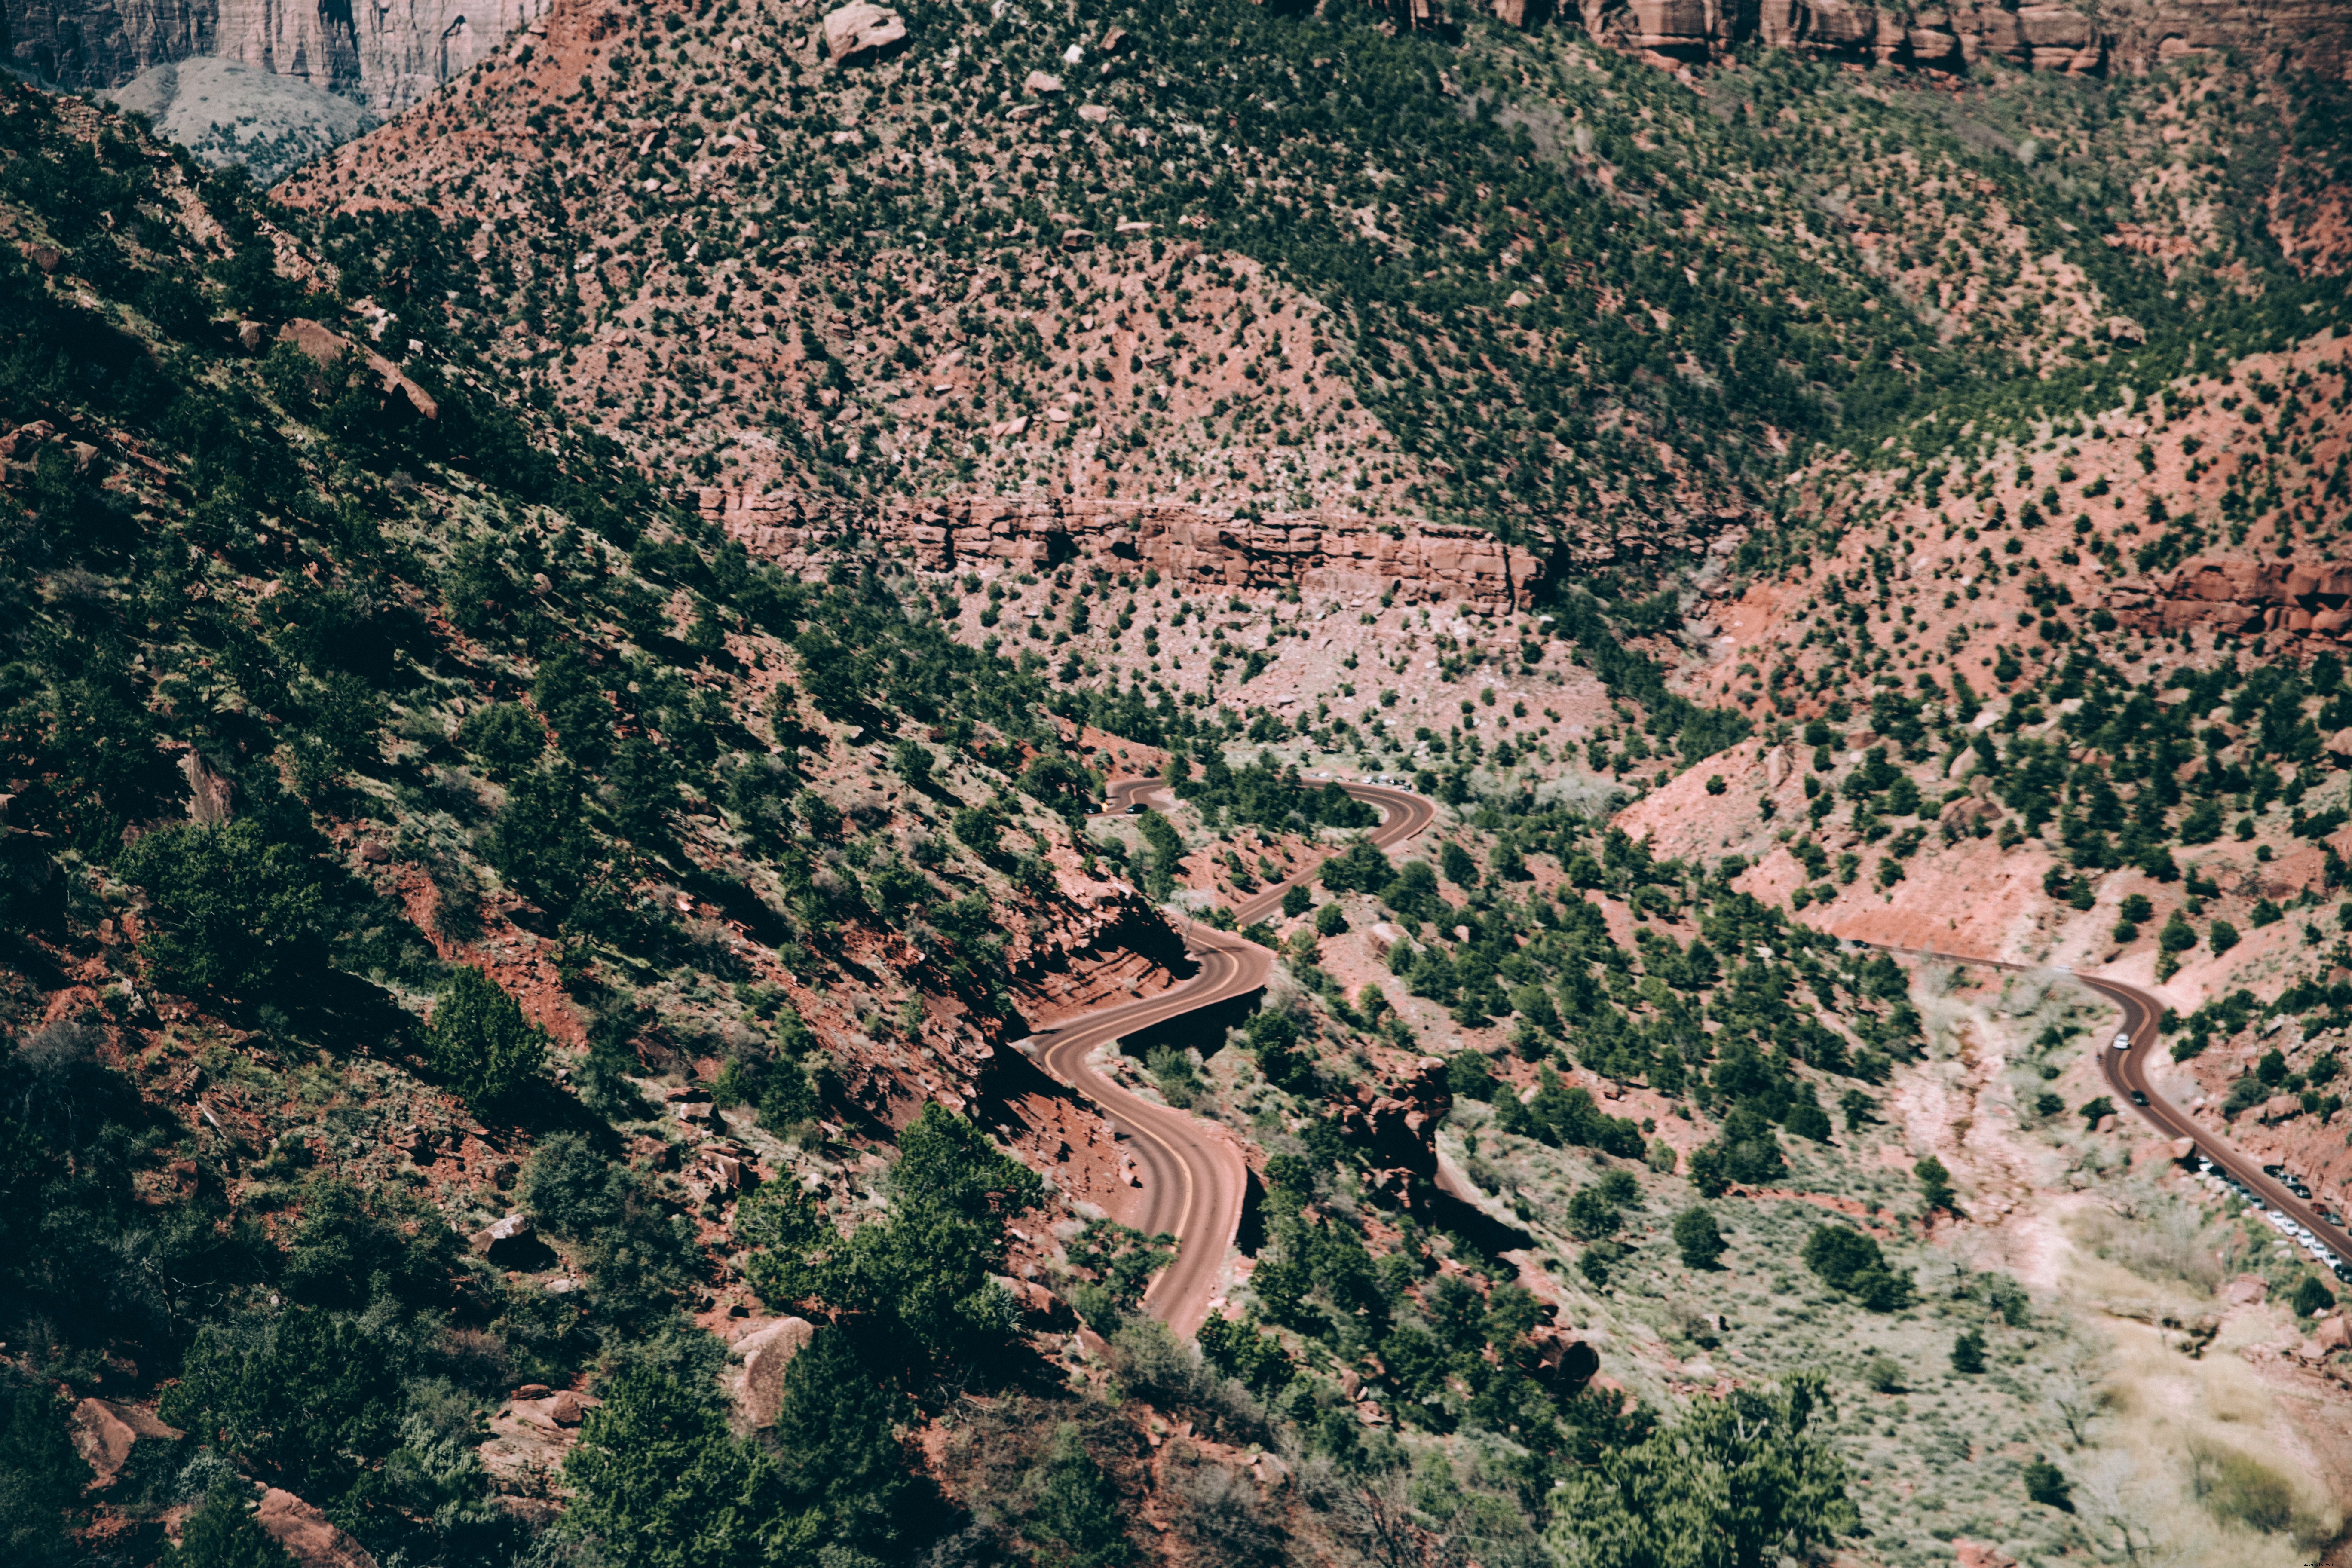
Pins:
x: 1192, y: 1173
x: 2126, y: 1073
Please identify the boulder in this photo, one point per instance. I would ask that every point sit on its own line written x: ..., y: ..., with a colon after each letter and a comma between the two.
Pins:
x: 326, y: 347
x: 1564, y: 1363
x: 306, y: 1535
x: 765, y: 1352
x: 2246, y: 1291
x: 859, y: 29
x: 105, y: 1432
x: 510, y: 1243
x: 2281, y: 1107
x: 2334, y: 1334
x: 211, y: 797
x: 1040, y: 83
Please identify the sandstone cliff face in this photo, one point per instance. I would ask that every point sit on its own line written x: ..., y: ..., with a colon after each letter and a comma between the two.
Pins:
x: 1325, y: 553
x: 385, y: 56
x: 2310, y: 34
x: 2311, y: 599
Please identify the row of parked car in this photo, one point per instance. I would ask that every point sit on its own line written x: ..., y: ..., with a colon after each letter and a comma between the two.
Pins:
x: 2301, y: 1235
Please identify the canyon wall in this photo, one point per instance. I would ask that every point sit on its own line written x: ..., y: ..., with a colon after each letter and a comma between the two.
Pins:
x: 1335, y: 553
x: 385, y: 56
x: 2275, y: 35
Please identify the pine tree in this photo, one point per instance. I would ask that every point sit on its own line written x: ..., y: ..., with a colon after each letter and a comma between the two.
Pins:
x: 1075, y: 1519
x: 224, y: 1534
x: 839, y: 1452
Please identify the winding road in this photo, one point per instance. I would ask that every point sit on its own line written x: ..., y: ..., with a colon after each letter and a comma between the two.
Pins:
x: 1194, y: 1176
x: 2126, y: 1073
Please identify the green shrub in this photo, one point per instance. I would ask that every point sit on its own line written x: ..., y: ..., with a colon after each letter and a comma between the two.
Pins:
x: 234, y: 911
x: 2311, y: 1297
x: 480, y: 1042
x: 309, y: 1401
x: 1330, y: 920
x: 1697, y: 1237
x: 1296, y: 900
x: 2238, y: 1489
x: 2046, y: 1484
x: 658, y: 1482
x: 1076, y: 1517
x: 506, y: 738
x: 41, y: 1476
x: 1847, y: 1261
x: 1969, y: 1352
x: 1737, y: 1481
x: 1808, y: 1120
x: 224, y: 1533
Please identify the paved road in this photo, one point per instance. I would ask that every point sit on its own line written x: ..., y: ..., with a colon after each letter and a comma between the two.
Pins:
x: 2127, y: 1072
x: 1193, y: 1172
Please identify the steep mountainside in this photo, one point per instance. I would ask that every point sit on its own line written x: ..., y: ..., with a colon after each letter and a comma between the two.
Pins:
x: 560, y: 673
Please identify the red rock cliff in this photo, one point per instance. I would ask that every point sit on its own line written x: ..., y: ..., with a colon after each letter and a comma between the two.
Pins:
x: 2277, y: 35
x: 1325, y: 553
x: 2310, y: 598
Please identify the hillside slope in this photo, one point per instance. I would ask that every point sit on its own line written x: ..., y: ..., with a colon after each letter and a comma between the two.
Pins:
x: 559, y: 669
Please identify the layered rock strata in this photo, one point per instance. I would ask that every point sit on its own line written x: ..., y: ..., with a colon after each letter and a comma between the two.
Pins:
x: 2308, y: 35
x: 2244, y: 597
x: 383, y: 57
x: 1327, y: 552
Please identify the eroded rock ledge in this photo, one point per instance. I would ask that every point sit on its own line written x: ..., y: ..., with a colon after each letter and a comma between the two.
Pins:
x: 2242, y: 597
x: 1328, y: 552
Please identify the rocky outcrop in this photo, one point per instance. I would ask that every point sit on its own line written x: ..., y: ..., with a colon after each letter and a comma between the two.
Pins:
x: 329, y: 347
x: 2309, y: 600
x: 765, y: 1354
x: 2310, y: 34
x: 105, y: 1431
x: 1328, y: 553
x: 383, y: 57
x: 307, y: 1534
x: 1398, y: 1129
x: 858, y: 29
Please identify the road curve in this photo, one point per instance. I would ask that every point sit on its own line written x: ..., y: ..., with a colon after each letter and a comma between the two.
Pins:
x: 2126, y: 1073
x: 1194, y: 1176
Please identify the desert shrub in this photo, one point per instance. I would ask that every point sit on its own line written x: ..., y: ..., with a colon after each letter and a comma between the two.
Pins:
x: 1122, y: 1262
x: 1173, y: 1072
x: 480, y: 1042
x: 506, y: 738
x: 1076, y: 1517
x: 2046, y: 1484
x: 1697, y: 1237
x: 224, y: 1533
x: 41, y: 1476
x: 1739, y: 1480
x: 2155, y: 1237
x: 306, y: 1399
x: 234, y: 911
x: 2238, y: 1489
x: 1847, y: 1261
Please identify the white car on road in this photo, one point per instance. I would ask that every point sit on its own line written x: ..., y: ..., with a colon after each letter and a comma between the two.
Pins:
x: 2122, y: 1042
